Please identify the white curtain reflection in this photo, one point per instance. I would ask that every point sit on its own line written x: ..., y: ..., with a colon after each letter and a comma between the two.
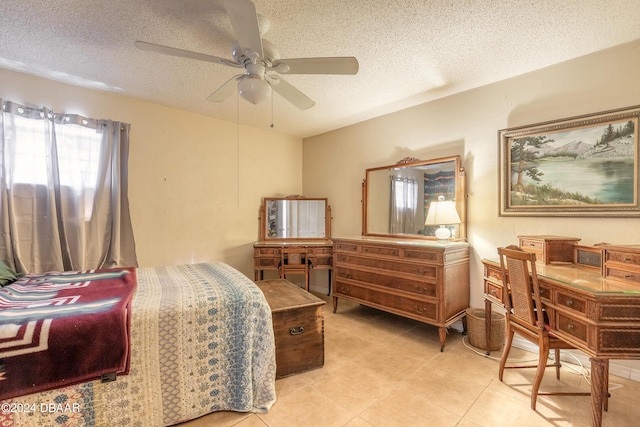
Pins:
x: 403, y: 205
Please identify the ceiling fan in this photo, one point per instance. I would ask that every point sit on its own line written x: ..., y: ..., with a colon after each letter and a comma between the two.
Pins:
x: 260, y: 60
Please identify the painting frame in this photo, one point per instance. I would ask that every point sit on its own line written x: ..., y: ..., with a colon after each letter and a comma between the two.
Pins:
x: 553, y: 168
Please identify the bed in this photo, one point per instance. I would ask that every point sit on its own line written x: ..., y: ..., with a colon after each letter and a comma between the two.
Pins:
x: 201, y: 340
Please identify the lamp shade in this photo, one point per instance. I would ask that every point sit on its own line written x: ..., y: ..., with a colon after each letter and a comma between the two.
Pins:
x: 442, y: 212
x: 254, y: 89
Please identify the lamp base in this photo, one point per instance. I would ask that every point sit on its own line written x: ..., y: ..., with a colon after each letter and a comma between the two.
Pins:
x: 443, y: 233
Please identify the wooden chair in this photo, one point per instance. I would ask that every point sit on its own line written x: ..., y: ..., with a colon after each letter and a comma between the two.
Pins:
x: 525, y: 315
x: 294, y: 261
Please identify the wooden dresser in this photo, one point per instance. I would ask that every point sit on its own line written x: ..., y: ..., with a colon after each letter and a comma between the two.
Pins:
x: 423, y: 280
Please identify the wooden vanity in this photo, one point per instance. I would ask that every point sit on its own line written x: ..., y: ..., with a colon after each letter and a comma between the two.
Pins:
x: 294, y: 237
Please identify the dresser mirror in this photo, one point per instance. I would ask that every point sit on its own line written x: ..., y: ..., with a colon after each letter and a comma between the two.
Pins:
x: 295, y: 218
x: 396, y: 198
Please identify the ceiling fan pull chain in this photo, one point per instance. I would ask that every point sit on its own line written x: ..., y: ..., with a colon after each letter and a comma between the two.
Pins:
x: 272, y: 125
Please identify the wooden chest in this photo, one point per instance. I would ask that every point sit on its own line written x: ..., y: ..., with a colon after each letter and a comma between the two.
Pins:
x: 298, y: 324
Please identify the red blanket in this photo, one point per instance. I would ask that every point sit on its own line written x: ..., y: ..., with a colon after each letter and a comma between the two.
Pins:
x: 58, y: 329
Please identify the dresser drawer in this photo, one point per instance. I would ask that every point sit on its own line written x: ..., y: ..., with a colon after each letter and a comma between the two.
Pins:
x: 319, y: 251
x: 394, y: 303
x: 266, y: 262
x: 346, y: 247
x: 530, y: 245
x: 266, y: 252
x: 624, y: 257
x: 413, y: 286
x: 380, y: 250
x: 618, y: 273
x: 571, y: 301
x: 423, y: 271
x: 493, y: 290
x: 574, y: 327
x: 491, y: 272
x: 418, y: 255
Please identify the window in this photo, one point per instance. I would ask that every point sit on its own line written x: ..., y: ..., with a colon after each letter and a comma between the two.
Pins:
x: 63, y: 191
x: 78, y: 155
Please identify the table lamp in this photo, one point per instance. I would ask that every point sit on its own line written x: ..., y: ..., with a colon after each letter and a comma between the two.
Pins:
x: 442, y: 213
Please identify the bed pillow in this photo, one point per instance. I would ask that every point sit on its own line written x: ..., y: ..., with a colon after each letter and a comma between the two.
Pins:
x: 7, y: 275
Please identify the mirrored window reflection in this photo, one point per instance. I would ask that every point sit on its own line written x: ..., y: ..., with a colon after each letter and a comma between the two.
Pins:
x: 296, y: 219
x: 398, y: 197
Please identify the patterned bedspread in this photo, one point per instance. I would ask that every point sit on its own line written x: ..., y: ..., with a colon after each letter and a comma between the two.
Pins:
x: 201, y: 341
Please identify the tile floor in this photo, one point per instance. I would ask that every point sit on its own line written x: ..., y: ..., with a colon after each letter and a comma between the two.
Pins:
x: 384, y: 370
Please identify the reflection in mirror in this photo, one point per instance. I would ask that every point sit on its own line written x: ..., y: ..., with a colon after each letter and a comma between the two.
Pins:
x: 397, y: 197
x: 295, y: 217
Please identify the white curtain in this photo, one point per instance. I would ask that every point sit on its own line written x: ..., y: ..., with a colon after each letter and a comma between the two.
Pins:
x: 404, y: 205
x: 63, y: 191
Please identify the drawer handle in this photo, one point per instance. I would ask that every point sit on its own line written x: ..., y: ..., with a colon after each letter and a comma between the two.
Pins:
x: 570, y: 326
x: 494, y: 292
x: 626, y: 276
x: 344, y: 290
x: 569, y: 302
x: 297, y: 330
x: 420, y: 289
x: 421, y: 270
x: 419, y: 310
x: 627, y: 258
x: 345, y: 274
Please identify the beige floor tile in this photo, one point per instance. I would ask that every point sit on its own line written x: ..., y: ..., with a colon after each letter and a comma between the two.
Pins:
x: 440, y: 388
x: 383, y: 370
x: 307, y: 407
x: 497, y: 409
x: 358, y: 422
x: 402, y: 408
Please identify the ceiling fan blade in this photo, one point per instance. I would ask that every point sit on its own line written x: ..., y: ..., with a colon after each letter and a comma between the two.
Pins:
x: 290, y: 93
x: 336, y: 65
x: 150, y: 47
x: 244, y: 21
x: 226, y: 90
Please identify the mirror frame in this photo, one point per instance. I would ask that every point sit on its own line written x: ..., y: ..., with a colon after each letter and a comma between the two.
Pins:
x: 409, y: 162
x: 263, y: 219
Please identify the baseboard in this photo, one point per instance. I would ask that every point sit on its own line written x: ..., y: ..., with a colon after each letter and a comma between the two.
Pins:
x: 568, y: 356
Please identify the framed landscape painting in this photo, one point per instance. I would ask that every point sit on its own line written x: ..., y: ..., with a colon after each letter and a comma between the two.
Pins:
x: 579, y: 166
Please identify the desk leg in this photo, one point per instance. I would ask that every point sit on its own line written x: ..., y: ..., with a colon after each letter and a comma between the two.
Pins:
x: 598, y: 384
x: 329, y: 293
x: 487, y: 324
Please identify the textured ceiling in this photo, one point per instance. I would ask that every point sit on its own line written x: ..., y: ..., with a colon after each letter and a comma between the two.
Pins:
x: 410, y: 51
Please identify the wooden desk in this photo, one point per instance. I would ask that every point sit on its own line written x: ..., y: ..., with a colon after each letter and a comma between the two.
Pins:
x: 600, y: 316
x: 267, y: 255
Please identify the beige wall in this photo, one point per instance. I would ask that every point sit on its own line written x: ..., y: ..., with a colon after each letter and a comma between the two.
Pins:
x: 195, y: 183
x: 467, y: 124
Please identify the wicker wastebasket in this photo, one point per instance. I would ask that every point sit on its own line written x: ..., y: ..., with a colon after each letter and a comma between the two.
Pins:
x: 476, y: 329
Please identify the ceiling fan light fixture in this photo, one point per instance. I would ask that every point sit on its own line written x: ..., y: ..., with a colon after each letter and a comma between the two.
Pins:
x: 254, y: 89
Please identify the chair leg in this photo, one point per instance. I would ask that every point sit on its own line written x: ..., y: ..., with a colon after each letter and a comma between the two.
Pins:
x: 557, y: 362
x: 505, y: 352
x: 542, y: 364
x: 605, y: 386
